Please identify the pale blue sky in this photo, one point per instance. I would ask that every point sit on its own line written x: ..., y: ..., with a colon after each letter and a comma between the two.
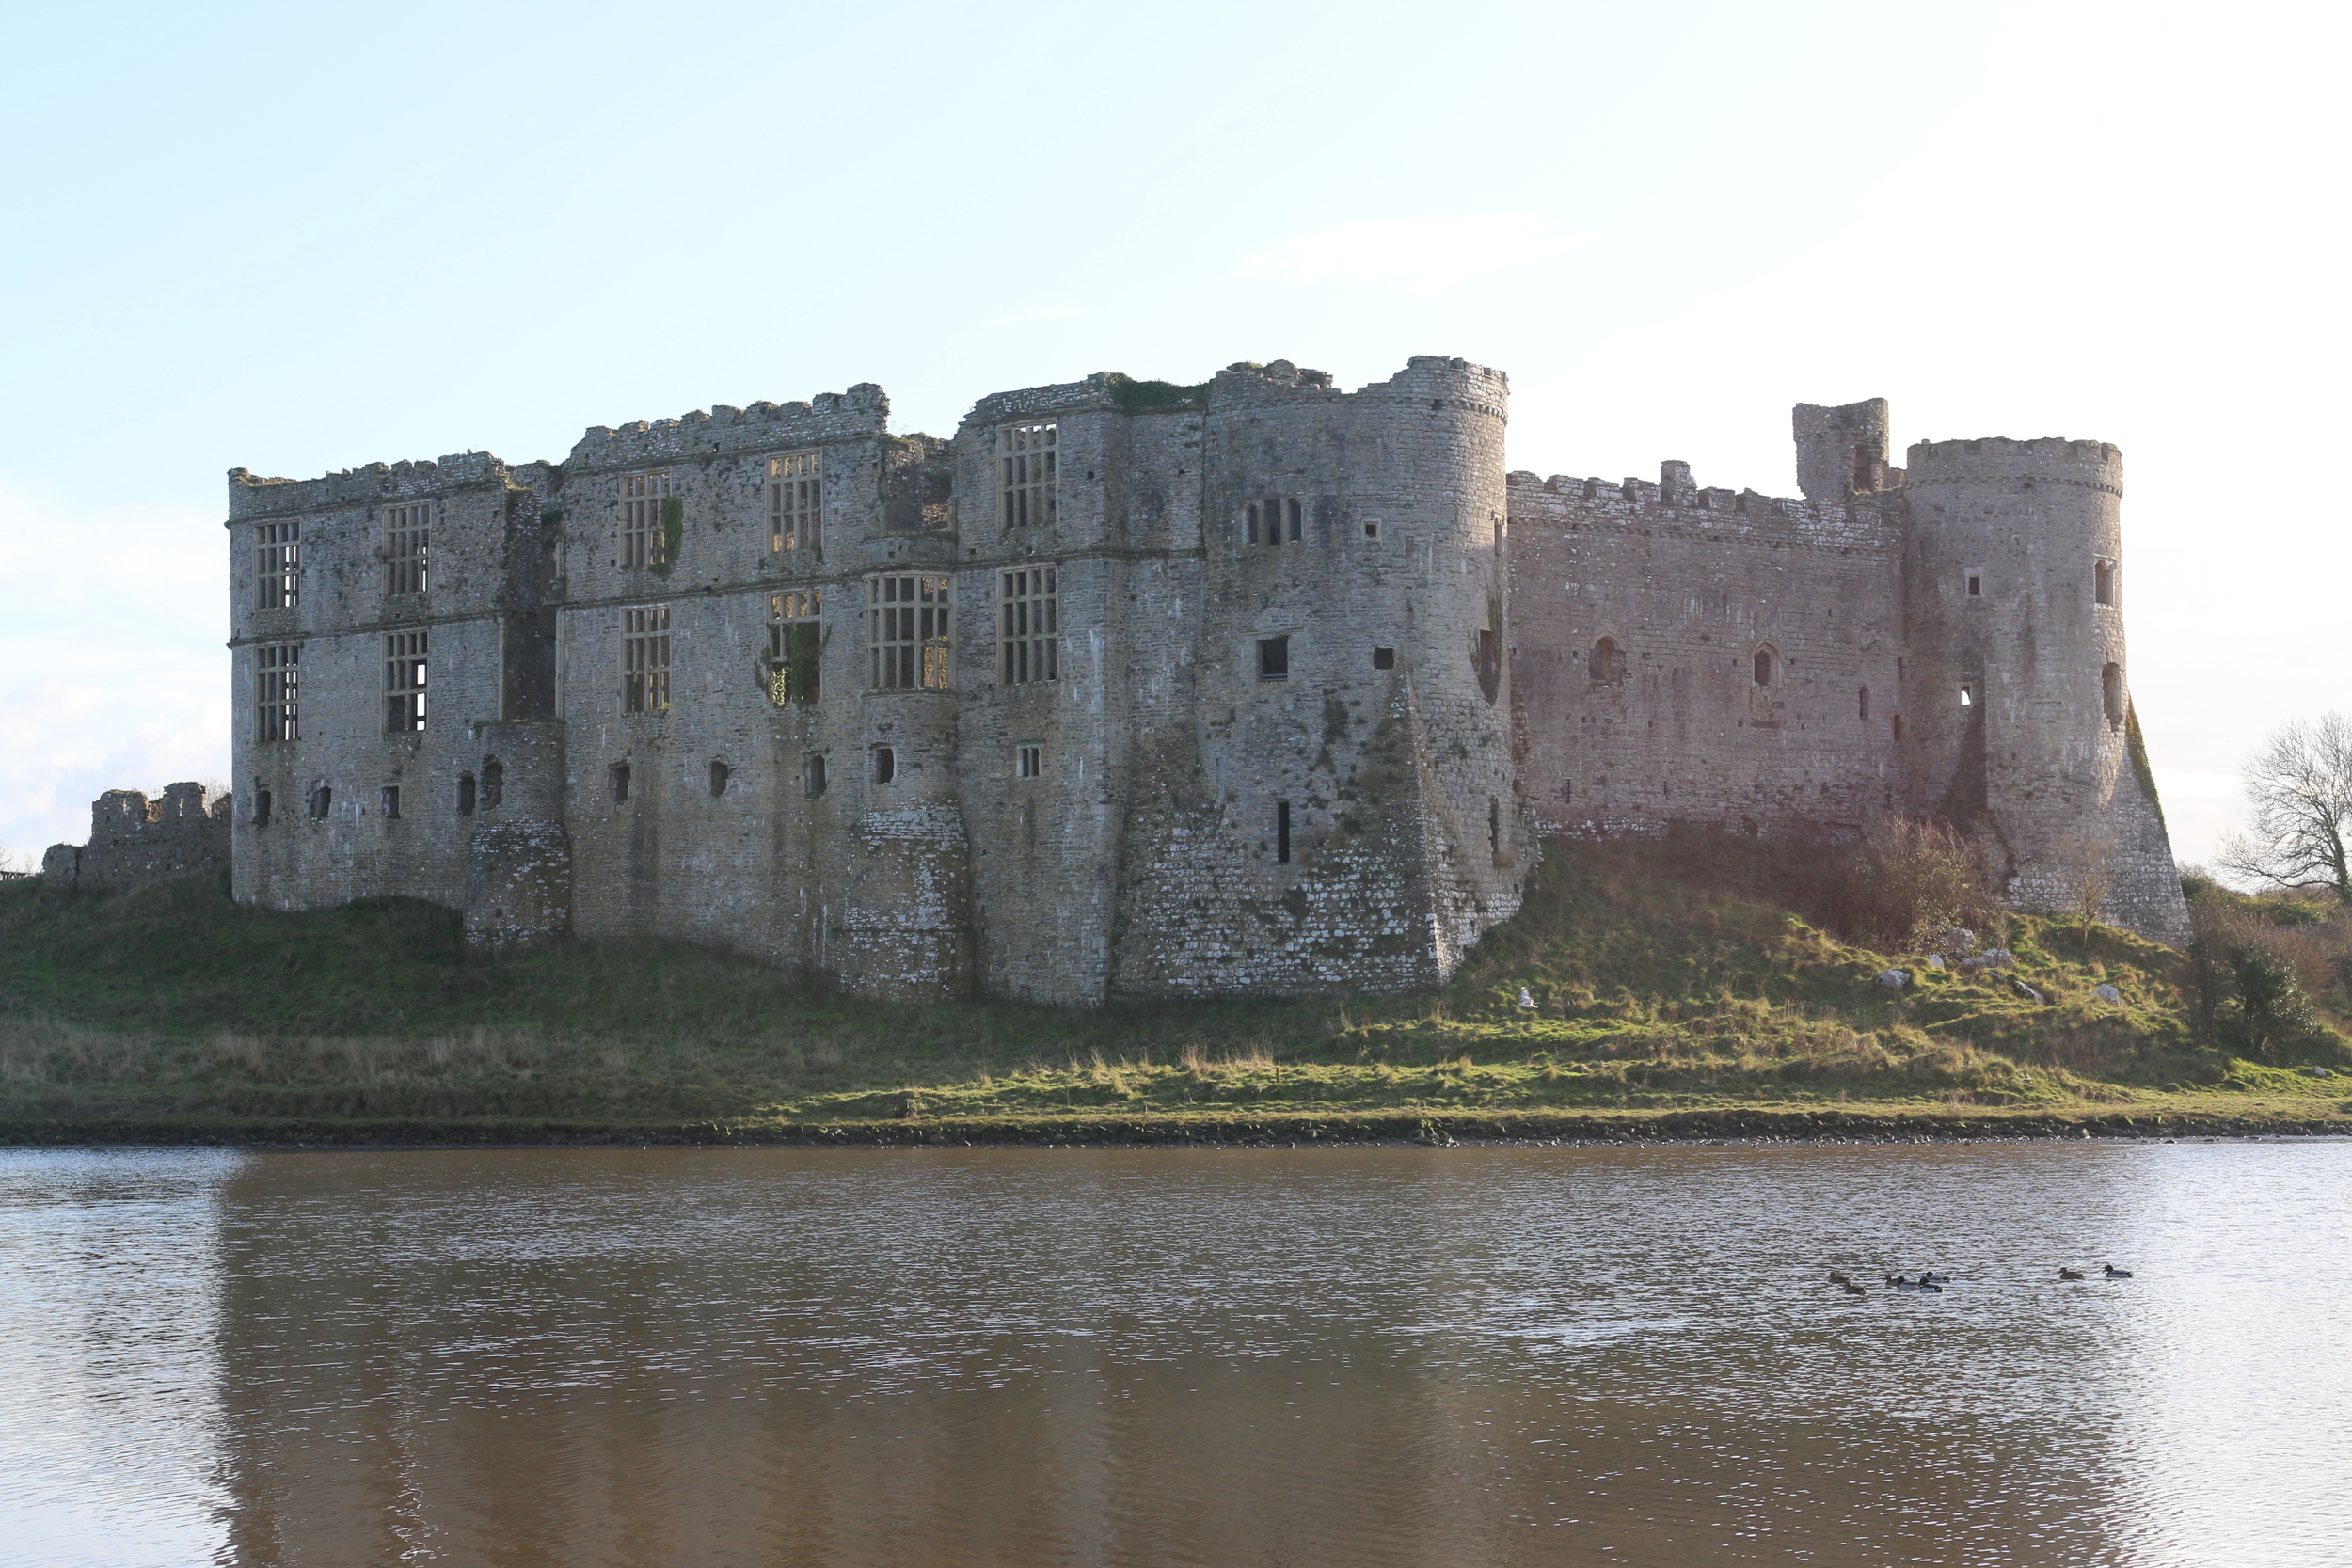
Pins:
x: 300, y: 238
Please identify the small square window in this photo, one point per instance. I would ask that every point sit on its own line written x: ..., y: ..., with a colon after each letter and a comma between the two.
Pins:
x: 1975, y: 576
x: 1029, y: 761
x: 1273, y: 658
x: 1384, y: 659
x: 1372, y: 530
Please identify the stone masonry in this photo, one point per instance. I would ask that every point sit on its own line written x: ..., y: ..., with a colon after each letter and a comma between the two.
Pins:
x: 135, y: 841
x: 1131, y: 689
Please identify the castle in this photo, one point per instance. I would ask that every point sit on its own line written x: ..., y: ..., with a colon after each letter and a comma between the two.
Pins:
x: 1138, y: 691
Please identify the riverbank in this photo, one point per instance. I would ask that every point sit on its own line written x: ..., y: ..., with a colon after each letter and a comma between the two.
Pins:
x: 1860, y: 1125
x: 1630, y: 999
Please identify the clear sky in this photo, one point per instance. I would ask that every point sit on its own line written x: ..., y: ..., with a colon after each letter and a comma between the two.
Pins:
x: 298, y: 238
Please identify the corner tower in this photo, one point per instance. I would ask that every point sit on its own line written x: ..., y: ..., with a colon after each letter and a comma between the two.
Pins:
x: 2018, y: 697
x: 1339, y: 813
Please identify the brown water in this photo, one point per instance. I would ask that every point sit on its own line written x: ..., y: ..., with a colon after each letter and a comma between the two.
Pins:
x: 1331, y: 1356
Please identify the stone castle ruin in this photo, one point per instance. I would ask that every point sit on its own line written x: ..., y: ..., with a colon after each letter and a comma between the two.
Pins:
x: 1136, y: 690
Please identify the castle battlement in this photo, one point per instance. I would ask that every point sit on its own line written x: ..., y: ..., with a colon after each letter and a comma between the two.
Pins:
x: 1141, y: 690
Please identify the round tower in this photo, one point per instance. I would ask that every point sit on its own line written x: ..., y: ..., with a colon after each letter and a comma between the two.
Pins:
x: 2016, y: 701
x: 1353, y: 673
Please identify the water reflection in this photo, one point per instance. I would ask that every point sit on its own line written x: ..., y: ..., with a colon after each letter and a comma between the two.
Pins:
x: 1156, y: 1356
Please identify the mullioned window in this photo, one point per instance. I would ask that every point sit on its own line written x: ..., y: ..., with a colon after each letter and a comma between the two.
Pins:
x: 645, y: 660
x: 405, y: 661
x: 407, y: 547
x: 278, y: 691
x: 278, y: 566
x: 907, y: 631
x: 1028, y: 603
x: 1029, y: 474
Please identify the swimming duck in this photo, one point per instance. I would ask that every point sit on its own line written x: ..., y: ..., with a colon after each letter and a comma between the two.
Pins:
x: 1929, y: 1285
x: 1838, y: 1277
x: 1932, y: 1277
x: 2114, y: 1273
x: 1902, y: 1283
x: 1853, y: 1289
x: 2070, y: 1273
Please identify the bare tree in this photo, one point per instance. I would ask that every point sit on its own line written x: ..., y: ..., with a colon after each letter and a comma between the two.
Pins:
x: 2089, y: 862
x: 2300, y: 786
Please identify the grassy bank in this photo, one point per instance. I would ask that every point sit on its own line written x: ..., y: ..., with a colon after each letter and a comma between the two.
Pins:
x: 1674, y: 996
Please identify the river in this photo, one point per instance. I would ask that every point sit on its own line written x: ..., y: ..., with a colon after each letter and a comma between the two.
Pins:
x: 1372, y: 1355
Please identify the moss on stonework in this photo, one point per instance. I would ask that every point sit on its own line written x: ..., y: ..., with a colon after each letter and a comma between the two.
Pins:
x: 2137, y: 750
x: 1138, y: 397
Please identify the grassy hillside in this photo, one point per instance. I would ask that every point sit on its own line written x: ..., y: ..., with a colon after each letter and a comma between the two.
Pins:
x: 1665, y: 982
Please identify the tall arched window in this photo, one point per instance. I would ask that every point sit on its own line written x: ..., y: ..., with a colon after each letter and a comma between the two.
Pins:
x: 2103, y: 583
x: 1607, y: 666
x: 2111, y: 692
x: 1767, y: 665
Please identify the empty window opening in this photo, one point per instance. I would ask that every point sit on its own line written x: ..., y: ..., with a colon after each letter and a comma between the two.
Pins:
x: 1975, y: 585
x: 719, y: 776
x: 407, y: 547
x: 1029, y: 474
x: 1283, y: 832
x: 1967, y: 697
x: 1899, y: 670
x: 1567, y: 793
x: 812, y: 775
x: 277, y: 565
x: 645, y: 660
x: 796, y: 505
x: 321, y: 803
x: 260, y: 808
x: 1767, y: 666
x: 1249, y: 524
x: 404, y: 682
x: 1866, y: 705
x: 493, y: 782
x: 795, y: 642
x: 467, y: 794
x: 646, y: 512
x: 1899, y: 726
x: 907, y: 631
x: 1606, y: 666
x: 1494, y: 825
x: 1028, y: 762
x: 1372, y: 530
x: 2111, y: 692
x: 618, y: 773
x: 391, y: 799
x: 1273, y: 658
x: 1486, y: 654
x: 1291, y: 520
x: 278, y: 682
x: 2103, y: 583
x: 1028, y: 606
x: 885, y: 764
x: 1384, y: 659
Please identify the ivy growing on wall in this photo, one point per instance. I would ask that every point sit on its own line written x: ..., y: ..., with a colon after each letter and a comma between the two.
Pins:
x: 672, y: 532
x: 2137, y: 750
x: 1136, y: 397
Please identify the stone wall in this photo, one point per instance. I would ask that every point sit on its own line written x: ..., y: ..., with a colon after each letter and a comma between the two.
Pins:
x: 135, y: 841
x: 1473, y: 660
x: 1692, y: 654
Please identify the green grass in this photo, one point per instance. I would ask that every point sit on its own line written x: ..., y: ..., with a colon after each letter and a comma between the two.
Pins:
x: 172, y: 1010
